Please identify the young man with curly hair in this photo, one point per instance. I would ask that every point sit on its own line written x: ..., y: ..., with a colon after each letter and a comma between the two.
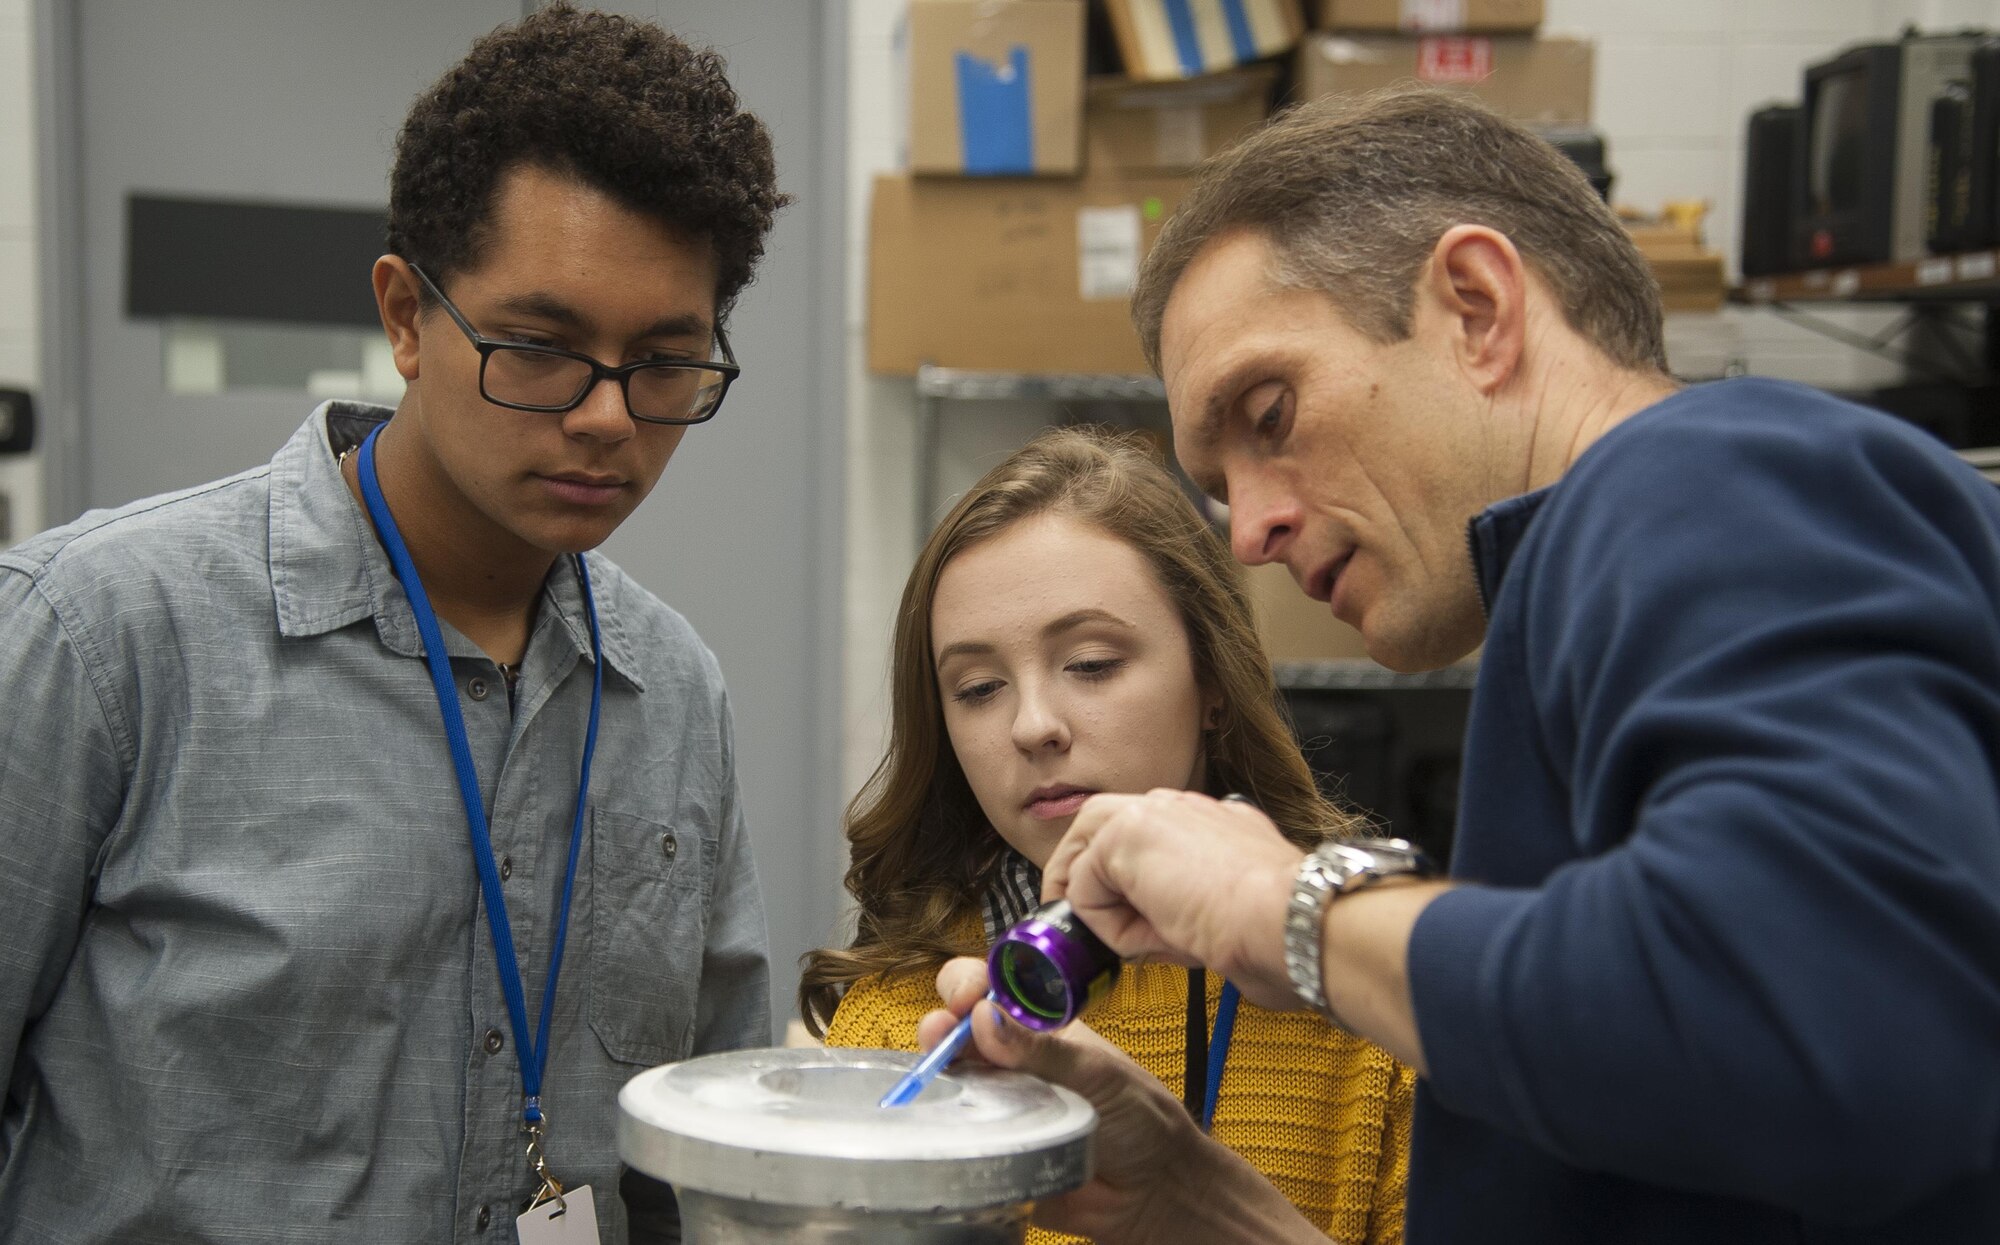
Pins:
x: 296, y: 806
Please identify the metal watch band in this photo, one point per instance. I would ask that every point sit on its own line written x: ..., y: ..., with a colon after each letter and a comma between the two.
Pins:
x: 1336, y: 867
x: 1304, y: 916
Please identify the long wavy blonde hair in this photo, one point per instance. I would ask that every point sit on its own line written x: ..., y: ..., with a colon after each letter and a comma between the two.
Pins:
x: 922, y: 854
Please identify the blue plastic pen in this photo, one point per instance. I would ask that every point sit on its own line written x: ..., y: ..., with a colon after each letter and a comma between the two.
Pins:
x: 919, y: 1078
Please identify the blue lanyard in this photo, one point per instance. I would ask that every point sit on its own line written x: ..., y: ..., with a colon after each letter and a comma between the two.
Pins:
x: 1218, y: 1053
x: 534, y: 1056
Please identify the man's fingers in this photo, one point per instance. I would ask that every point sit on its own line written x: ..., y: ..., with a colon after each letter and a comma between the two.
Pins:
x: 1241, y: 806
x: 1055, y: 874
x: 1094, y: 812
x: 1103, y: 822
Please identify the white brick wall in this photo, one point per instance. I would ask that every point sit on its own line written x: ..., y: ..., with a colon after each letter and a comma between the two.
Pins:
x: 20, y: 364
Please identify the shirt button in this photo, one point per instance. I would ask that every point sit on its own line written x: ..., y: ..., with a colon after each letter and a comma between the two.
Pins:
x: 485, y: 1219
x: 669, y: 845
x: 476, y: 689
x: 506, y: 867
x: 494, y: 1041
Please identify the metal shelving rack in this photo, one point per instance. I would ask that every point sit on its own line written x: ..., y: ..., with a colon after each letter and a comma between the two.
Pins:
x: 938, y: 385
x: 1971, y: 275
x: 1927, y: 286
x: 1366, y: 676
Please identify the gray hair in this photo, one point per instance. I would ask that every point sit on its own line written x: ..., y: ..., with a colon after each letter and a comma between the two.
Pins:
x: 1352, y: 193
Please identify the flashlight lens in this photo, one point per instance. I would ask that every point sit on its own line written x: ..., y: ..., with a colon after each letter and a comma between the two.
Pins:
x: 1033, y: 981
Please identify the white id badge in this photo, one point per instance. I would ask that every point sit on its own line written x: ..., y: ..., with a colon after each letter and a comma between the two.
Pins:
x: 551, y: 1224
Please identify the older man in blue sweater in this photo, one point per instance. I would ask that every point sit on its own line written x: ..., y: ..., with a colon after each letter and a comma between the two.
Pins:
x: 1720, y: 957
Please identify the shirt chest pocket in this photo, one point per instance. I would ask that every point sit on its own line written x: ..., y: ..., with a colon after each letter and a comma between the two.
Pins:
x: 649, y: 923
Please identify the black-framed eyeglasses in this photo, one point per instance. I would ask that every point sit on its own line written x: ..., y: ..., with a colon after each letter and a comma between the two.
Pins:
x: 529, y: 376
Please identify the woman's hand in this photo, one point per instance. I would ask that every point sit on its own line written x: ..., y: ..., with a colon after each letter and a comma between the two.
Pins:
x: 1157, y: 1178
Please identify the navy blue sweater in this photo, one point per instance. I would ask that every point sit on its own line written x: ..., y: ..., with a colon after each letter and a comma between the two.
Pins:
x: 1731, y: 969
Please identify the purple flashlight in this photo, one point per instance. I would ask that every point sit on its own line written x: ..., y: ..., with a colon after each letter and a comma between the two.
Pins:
x: 1049, y: 967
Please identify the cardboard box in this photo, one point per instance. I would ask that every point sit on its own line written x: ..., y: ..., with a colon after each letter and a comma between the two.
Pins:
x: 1431, y: 16
x: 1691, y: 276
x: 1153, y: 127
x: 996, y: 86
x: 1537, y: 81
x: 1164, y: 39
x: 1694, y: 281
x: 1293, y: 626
x: 1010, y: 275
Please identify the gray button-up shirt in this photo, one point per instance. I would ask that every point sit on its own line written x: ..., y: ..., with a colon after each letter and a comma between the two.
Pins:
x: 247, y: 989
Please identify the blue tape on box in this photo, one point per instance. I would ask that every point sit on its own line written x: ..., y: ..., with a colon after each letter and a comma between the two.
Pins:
x: 1187, y: 44
x: 995, y: 106
x: 1239, y: 31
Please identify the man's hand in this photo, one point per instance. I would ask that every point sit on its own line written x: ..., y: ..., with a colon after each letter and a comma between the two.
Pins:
x: 1176, y: 875
x: 1158, y: 1178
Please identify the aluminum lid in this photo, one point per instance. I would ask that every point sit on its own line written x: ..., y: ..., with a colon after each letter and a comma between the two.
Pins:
x: 800, y: 1127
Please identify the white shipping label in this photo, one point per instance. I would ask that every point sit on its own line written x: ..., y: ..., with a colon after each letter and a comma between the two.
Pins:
x: 1432, y: 15
x: 573, y: 1221
x: 1107, y: 251
x: 1454, y: 58
x: 1178, y: 135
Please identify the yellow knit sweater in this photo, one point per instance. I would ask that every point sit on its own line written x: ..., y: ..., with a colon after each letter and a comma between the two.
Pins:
x: 1325, y: 1116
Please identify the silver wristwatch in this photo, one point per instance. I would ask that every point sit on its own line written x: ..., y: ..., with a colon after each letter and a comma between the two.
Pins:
x: 1336, y: 867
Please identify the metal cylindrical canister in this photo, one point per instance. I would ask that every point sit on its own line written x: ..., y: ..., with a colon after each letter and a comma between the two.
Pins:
x: 789, y: 1145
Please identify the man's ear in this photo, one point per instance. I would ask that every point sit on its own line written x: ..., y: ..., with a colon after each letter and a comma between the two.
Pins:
x: 1476, y: 284
x: 398, y: 301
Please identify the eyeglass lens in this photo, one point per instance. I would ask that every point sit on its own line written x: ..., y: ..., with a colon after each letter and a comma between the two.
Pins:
x: 666, y: 392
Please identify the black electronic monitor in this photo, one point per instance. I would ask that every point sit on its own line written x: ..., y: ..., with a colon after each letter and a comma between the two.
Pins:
x: 1848, y: 171
x: 1982, y: 208
x: 1770, y: 169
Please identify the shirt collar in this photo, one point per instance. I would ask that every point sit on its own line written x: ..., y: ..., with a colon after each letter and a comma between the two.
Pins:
x: 1495, y: 534
x: 1015, y: 891
x: 328, y: 571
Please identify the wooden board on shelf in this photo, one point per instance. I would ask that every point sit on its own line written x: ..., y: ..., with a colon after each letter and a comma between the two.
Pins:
x: 1971, y: 274
x: 1691, y: 276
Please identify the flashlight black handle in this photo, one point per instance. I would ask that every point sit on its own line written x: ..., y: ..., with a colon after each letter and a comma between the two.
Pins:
x: 1060, y: 913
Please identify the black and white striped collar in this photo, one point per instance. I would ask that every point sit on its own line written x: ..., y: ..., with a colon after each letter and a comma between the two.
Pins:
x: 1016, y: 891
